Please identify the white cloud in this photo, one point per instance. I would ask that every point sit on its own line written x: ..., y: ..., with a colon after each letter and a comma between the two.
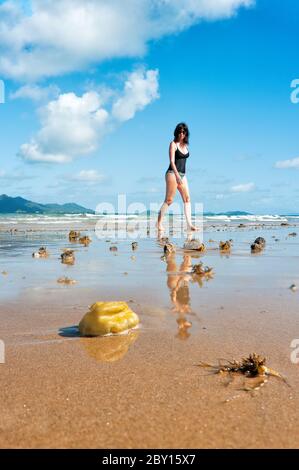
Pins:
x: 71, y: 126
x: 50, y: 38
x: 293, y: 163
x: 89, y: 176
x: 139, y: 92
x: 74, y: 125
x: 36, y: 93
x: 243, y: 188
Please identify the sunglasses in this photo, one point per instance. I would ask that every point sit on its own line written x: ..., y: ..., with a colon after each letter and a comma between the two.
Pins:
x: 182, y: 132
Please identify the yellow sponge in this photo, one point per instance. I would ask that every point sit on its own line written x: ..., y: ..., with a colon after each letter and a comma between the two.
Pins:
x: 105, y: 318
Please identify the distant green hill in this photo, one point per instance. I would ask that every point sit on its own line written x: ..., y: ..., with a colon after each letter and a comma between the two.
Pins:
x: 11, y: 205
x: 230, y: 213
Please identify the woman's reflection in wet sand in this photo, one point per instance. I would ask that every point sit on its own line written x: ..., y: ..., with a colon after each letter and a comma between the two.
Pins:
x: 178, y: 279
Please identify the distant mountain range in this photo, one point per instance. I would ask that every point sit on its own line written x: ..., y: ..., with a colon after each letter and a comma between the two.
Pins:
x: 12, y: 205
x: 19, y: 205
x: 230, y: 213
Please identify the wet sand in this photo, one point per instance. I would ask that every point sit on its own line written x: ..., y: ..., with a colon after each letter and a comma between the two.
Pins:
x: 144, y: 390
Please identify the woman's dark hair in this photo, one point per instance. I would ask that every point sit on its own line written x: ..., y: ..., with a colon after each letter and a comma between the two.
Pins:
x: 182, y: 126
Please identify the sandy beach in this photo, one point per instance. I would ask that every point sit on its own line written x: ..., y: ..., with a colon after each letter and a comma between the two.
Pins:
x: 145, y: 389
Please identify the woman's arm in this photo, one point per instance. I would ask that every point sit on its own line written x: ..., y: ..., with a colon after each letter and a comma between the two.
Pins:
x: 172, y: 149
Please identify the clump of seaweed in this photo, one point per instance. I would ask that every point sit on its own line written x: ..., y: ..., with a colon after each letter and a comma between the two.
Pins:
x: 253, y: 366
x: 201, y: 270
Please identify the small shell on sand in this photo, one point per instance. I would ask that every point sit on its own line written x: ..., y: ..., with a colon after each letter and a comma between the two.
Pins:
x: 258, y: 245
x: 194, y: 245
x: 293, y: 287
x: 66, y: 280
x: 106, y: 318
x: 73, y: 236
x: 67, y: 257
x: 225, y: 246
x: 85, y: 240
x: 41, y: 253
x: 169, y: 248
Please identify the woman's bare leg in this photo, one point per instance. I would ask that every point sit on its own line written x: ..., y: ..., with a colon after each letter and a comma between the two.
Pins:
x: 171, y: 186
x: 184, y: 191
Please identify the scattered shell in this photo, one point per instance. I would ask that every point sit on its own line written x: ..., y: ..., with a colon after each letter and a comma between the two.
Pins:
x: 68, y: 257
x: 85, y: 240
x: 293, y: 287
x: 169, y: 248
x: 194, y: 245
x: 258, y: 245
x: 73, y: 236
x: 225, y: 246
x: 41, y: 253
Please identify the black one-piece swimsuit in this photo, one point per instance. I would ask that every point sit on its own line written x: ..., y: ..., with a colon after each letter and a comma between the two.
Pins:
x: 180, y: 162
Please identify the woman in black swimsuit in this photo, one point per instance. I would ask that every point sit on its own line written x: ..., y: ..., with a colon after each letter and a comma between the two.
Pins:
x: 176, y: 175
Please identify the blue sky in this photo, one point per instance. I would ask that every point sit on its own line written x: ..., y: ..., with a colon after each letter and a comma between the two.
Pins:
x: 93, y: 94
